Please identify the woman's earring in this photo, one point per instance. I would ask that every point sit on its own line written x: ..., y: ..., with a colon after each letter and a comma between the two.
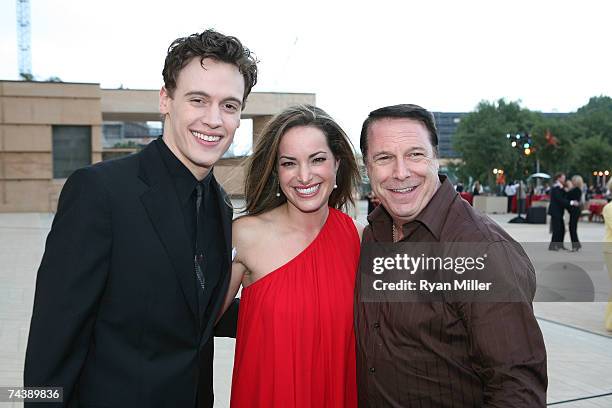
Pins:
x: 278, y: 190
x: 335, y: 186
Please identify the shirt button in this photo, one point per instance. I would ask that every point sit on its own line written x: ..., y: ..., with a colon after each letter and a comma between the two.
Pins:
x: 376, y: 325
x: 372, y: 370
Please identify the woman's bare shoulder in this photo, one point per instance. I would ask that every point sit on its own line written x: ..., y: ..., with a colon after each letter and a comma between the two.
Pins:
x: 251, y: 227
x: 246, y: 224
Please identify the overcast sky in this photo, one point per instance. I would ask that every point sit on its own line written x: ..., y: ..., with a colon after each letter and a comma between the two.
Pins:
x: 356, y: 56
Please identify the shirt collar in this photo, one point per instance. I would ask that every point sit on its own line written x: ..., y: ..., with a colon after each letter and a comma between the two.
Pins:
x: 184, y: 181
x: 433, y: 216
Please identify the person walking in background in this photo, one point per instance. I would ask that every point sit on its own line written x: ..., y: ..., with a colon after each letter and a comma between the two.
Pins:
x: 607, y: 215
x: 296, y: 258
x: 510, y: 192
x: 574, y: 193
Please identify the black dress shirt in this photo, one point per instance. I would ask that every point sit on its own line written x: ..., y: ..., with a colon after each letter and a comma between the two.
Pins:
x: 211, y: 234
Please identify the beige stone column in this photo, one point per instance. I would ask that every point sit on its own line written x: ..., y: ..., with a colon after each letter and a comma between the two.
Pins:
x: 258, y: 124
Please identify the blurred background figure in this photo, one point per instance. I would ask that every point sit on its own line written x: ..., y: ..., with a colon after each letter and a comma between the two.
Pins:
x: 510, y: 192
x: 521, y: 191
x: 477, y: 188
x: 574, y: 192
x: 589, y: 192
x: 558, y: 204
x: 373, y: 201
x: 607, y: 214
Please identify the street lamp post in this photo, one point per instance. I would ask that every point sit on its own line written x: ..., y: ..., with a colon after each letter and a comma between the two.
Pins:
x: 521, y: 141
x: 601, y: 175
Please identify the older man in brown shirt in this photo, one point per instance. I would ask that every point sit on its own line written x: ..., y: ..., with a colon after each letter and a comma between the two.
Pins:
x: 443, y: 353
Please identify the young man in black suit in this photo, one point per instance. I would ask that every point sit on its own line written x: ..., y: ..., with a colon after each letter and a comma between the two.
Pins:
x: 136, y: 264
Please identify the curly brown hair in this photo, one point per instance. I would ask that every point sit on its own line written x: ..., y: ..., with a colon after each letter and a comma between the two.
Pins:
x: 209, y: 44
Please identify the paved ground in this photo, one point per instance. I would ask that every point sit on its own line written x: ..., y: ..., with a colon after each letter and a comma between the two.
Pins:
x: 579, y: 349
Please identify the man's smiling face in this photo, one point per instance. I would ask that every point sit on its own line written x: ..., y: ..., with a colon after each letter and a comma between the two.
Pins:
x: 202, y: 114
x: 402, y: 166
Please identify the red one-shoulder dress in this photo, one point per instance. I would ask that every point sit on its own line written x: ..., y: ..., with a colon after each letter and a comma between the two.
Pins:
x: 295, y: 345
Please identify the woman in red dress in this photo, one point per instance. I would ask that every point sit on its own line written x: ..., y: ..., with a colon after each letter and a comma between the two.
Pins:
x: 296, y: 258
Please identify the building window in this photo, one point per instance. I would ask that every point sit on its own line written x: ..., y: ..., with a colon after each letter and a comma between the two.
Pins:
x: 71, y: 149
x: 242, y: 144
x: 112, y: 131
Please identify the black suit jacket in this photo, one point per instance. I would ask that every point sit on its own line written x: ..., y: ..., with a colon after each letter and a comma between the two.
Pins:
x: 115, y: 318
x: 558, y: 202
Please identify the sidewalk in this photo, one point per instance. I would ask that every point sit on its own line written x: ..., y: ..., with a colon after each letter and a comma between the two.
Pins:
x: 579, y: 349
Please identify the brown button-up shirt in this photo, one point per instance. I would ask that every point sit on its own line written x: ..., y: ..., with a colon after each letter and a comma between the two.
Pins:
x: 451, y: 354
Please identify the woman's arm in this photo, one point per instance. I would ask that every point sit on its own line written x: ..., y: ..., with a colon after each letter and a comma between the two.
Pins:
x: 238, y: 269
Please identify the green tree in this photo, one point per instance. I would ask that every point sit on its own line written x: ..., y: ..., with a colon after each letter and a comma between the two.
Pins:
x: 580, y: 143
x: 591, y: 153
x: 556, y: 154
x: 595, y: 118
x: 481, y: 140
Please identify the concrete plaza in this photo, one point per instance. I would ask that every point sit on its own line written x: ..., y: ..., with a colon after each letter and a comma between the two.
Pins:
x: 579, y: 349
